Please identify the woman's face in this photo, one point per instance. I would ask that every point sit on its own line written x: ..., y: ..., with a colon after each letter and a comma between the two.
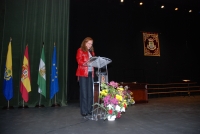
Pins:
x: 89, y: 44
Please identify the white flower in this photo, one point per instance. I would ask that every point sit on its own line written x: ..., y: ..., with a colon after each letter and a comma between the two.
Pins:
x: 123, y: 109
x: 110, y: 106
x: 117, y: 108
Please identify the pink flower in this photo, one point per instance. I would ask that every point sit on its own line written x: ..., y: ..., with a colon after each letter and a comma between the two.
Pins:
x: 113, y: 84
x: 109, y: 100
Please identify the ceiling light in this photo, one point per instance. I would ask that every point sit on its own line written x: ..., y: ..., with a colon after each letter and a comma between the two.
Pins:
x: 176, y: 8
x: 190, y: 11
x: 141, y: 3
x: 122, y: 0
x: 162, y: 6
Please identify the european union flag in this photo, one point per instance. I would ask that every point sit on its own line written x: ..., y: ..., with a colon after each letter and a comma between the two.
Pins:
x: 54, y: 76
x: 8, y: 80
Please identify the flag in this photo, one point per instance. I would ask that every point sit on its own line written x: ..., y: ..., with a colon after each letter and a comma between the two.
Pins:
x: 25, y: 85
x: 8, y: 80
x: 42, y: 75
x: 54, y: 75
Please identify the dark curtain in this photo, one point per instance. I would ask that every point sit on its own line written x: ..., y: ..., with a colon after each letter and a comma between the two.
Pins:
x: 34, y: 23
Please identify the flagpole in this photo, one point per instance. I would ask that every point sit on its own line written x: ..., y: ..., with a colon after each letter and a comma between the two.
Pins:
x: 56, y: 93
x: 25, y: 85
x: 8, y: 76
x: 41, y: 77
x: 40, y: 101
x: 8, y: 100
x: 55, y: 75
x: 23, y: 105
x: 55, y: 103
x: 55, y: 100
x: 40, y: 105
x: 8, y: 106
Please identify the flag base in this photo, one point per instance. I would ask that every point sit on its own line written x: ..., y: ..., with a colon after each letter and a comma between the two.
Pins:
x: 39, y: 106
x: 8, y: 107
x: 23, y: 107
x: 55, y: 105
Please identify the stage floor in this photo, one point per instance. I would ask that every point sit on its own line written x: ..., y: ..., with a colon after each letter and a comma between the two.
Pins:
x: 169, y: 115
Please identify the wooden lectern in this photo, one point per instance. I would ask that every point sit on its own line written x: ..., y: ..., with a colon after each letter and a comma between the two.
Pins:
x: 139, y: 91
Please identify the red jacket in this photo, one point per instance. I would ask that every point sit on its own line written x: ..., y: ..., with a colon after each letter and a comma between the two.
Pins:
x: 81, y: 58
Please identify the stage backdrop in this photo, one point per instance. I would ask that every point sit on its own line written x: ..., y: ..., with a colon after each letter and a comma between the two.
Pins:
x: 35, y: 22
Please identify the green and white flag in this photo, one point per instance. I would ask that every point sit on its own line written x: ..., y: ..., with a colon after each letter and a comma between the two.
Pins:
x: 42, y: 75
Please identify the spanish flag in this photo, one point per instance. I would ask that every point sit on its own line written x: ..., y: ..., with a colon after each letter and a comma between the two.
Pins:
x: 25, y: 85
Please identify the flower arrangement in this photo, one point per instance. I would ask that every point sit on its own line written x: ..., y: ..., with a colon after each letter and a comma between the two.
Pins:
x: 114, y: 99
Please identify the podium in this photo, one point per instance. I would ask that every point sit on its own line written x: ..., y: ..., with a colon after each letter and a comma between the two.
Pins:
x: 99, y: 63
